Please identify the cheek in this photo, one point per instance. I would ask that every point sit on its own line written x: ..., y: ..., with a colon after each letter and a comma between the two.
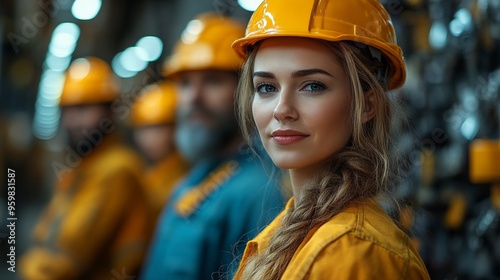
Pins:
x: 182, y: 98
x: 335, y: 124
x: 151, y: 139
x: 66, y: 120
x: 260, y: 115
x: 220, y: 98
x: 94, y: 121
x: 92, y: 117
x: 139, y: 139
x: 144, y: 137
x: 165, y: 137
x: 71, y: 118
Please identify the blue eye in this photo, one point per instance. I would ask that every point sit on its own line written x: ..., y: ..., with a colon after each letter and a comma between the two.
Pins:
x: 265, y: 88
x: 313, y: 87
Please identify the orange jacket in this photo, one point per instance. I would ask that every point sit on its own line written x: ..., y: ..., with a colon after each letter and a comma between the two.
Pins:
x: 97, y: 225
x: 361, y: 242
x: 160, y: 180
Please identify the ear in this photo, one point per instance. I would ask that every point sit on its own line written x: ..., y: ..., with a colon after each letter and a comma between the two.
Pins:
x: 368, y: 107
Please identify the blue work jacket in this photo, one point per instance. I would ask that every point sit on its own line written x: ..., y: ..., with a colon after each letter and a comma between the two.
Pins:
x: 216, y: 209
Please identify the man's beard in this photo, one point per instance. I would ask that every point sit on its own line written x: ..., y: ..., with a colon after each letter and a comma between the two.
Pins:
x: 197, y: 140
x: 84, y: 141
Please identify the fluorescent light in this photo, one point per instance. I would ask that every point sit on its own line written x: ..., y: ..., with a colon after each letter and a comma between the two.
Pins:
x: 132, y: 59
x: 118, y: 68
x: 153, y: 47
x: 470, y: 127
x: 438, y: 35
x: 55, y: 63
x: 61, y: 47
x: 64, y: 38
x: 249, y: 5
x: 461, y: 23
x: 86, y: 9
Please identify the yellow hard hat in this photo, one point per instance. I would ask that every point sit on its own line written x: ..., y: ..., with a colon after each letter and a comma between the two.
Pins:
x: 155, y: 105
x: 88, y: 80
x: 484, y: 161
x: 206, y: 44
x: 364, y: 21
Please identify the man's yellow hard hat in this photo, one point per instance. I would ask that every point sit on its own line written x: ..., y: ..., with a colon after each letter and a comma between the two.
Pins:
x: 155, y: 105
x: 206, y: 44
x: 89, y: 80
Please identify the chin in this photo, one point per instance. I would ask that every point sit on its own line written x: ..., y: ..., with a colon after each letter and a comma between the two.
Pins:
x: 298, y: 159
x: 287, y: 162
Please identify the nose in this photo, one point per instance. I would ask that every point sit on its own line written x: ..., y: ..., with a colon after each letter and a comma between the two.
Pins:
x: 190, y: 92
x: 69, y: 117
x: 195, y: 94
x: 286, y: 110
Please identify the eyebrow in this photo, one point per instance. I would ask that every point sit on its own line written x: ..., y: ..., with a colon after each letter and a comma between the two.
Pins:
x: 263, y: 74
x: 296, y: 74
x: 307, y: 72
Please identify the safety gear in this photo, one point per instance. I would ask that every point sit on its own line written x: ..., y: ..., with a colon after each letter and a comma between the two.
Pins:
x: 360, y: 242
x: 97, y: 221
x: 155, y: 105
x: 241, y: 198
x: 364, y: 21
x: 88, y: 80
x: 484, y: 161
x: 161, y: 179
x: 206, y: 44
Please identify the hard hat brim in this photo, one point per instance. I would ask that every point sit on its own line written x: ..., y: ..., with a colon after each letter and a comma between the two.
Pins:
x: 240, y: 46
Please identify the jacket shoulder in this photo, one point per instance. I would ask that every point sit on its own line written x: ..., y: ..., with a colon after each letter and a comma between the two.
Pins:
x: 118, y: 158
x: 360, y: 238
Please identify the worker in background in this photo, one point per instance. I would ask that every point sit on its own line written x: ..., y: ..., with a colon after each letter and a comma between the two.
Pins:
x: 153, y: 121
x: 97, y: 223
x: 227, y: 196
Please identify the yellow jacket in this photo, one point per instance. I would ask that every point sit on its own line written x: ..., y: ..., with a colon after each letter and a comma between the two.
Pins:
x: 160, y: 180
x: 361, y: 242
x: 97, y: 225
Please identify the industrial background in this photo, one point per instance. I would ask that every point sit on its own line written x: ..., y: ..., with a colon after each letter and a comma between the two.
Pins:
x: 452, y: 98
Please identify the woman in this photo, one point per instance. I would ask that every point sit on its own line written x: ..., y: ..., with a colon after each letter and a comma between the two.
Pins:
x: 314, y: 85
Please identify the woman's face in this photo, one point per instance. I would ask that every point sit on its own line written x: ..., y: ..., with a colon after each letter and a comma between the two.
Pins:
x: 301, y: 102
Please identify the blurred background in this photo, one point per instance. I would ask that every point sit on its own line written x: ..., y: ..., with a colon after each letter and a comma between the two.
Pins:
x: 452, y: 98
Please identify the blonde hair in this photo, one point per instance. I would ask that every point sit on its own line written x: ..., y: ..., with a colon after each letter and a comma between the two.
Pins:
x: 360, y: 170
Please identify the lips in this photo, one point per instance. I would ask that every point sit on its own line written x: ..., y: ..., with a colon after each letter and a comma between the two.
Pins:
x: 287, y: 137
